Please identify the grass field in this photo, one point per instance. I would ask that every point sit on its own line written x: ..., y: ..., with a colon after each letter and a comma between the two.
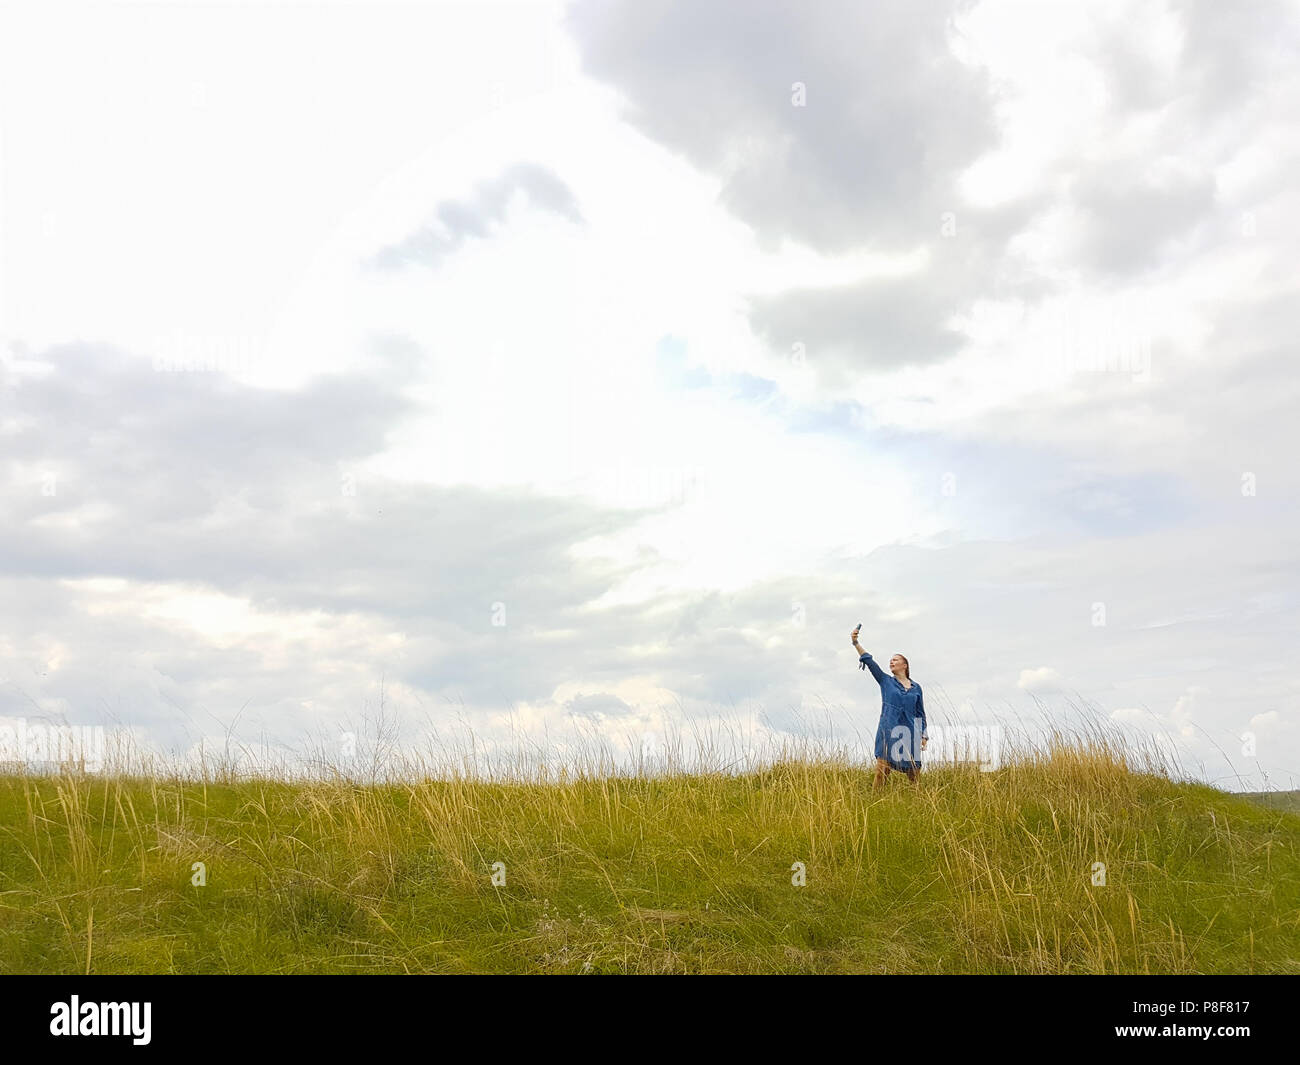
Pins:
x: 1277, y: 800
x: 969, y: 871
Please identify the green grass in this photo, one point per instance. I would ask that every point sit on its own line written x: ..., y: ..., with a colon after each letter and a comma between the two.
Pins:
x: 1277, y: 800
x: 965, y: 872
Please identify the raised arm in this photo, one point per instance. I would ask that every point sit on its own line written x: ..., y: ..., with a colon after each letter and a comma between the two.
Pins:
x: 865, y: 660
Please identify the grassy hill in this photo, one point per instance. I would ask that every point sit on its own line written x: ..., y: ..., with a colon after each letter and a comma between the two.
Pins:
x: 1278, y: 800
x: 965, y: 872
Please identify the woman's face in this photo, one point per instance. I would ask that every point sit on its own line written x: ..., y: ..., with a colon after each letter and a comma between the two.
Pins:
x: 897, y: 665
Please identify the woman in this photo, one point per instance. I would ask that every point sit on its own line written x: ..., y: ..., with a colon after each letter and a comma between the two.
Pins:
x: 901, y: 710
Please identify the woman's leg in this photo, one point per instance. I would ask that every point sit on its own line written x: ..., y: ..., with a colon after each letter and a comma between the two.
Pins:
x: 882, y: 771
x: 914, y: 774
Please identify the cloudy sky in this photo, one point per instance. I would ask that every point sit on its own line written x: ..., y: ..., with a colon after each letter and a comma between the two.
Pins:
x: 595, y: 367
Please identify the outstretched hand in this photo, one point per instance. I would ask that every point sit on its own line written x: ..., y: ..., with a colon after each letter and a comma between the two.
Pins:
x: 854, y: 634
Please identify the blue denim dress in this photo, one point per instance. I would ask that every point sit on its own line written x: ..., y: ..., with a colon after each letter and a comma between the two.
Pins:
x: 902, y: 719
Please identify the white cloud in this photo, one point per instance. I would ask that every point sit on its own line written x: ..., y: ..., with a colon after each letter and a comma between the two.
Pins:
x: 1042, y: 679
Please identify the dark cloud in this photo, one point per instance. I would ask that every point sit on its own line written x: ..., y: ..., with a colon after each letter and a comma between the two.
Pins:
x: 1229, y: 50
x: 887, y: 323
x: 1130, y: 219
x: 892, y: 116
x: 1157, y: 201
x: 168, y: 446
x: 893, y: 119
x: 881, y: 325
x: 478, y: 215
x: 196, y: 477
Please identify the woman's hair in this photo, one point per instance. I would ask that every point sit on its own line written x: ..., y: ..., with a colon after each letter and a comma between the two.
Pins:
x: 907, y: 667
